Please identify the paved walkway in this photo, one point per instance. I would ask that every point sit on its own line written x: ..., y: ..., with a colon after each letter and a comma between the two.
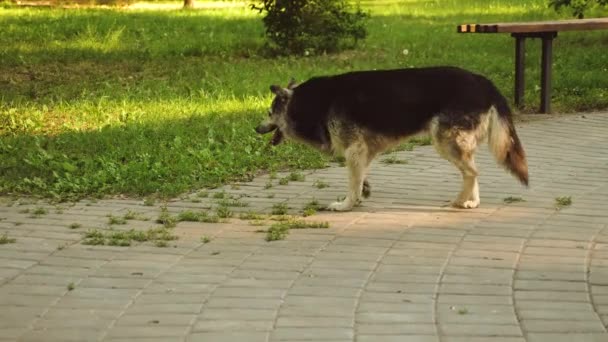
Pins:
x: 403, y: 267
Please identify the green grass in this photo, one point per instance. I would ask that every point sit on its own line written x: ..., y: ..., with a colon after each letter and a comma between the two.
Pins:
x: 4, y: 239
x: 563, y: 201
x: 279, y: 209
x: 279, y: 231
x: 75, y: 225
x: 158, y: 236
x: 97, y: 102
x: 512, y: 199
x: 393, y: 160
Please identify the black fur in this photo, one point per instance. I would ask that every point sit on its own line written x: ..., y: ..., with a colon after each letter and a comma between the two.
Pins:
x: 393, y: 103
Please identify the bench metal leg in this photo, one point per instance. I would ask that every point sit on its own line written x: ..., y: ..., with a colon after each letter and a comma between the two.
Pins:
x: 545, y: 73
x: 520, y: 58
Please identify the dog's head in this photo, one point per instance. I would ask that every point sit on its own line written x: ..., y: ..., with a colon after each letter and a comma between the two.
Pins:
x: 277, y: 112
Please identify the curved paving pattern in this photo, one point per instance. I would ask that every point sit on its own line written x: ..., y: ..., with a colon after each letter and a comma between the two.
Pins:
x: 404, y: 267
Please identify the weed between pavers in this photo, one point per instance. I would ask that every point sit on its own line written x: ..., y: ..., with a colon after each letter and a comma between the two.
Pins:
x: 71, y: 286
x: 561, y: 202
x: 116, y: 220
x: 134, y: 215
x: 284, y: 181
x: 311, y: 207
x: 279, y: 231
x: 279, y: 209
x: 205, y: 239
x: 320, y: 184
x: 4, y: 239
x: 158, y: 236
x: 393, y: 160
x: 75, y: 225
x: 200, y: 216
x: 232, y: 202
x: 512, y: 199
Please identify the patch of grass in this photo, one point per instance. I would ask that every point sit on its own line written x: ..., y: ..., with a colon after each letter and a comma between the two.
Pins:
x: 221, y: 195
x: 270, y: 196
x: 512, y: 199
x: 232, y: 202
x: 202, y: 194
x: 250, y: 215
x: 279, y: 209
x: 320, y: 184
x: 126, y: 238
x: 279, y: 231
x: 223, y: 212
x: 195, y: 200
x: 284, y: 181
x: 268, y: 185
x: 563, y: 201
x: 200, y: 216
x: 166, y: 219
x: 148, y: 202
x: 75, y: 225
x: 4, y: 239
x: 393, y: 160
x: 71, y: 286
x: 311, y: 207
x: 205, y: 239
x: 116, y: 220
x: 39, y: 211
x: 463, y: 311
x: 296, y: 176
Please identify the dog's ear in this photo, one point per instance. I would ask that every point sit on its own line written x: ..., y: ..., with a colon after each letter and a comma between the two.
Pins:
x: 277, y: 90
x: 292, y: 84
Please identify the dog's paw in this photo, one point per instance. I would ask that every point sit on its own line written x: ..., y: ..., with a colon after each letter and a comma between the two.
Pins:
x: 367, y: 189
x: 466, y: 204
x: 340, y: 206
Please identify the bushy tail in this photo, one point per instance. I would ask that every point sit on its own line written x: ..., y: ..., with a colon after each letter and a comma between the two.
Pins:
x: 504, y: 142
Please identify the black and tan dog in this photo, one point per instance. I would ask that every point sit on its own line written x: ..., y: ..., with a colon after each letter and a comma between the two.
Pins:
x: 361, y: 114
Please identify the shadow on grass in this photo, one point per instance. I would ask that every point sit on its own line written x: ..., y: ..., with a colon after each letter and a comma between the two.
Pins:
x: 165, y: 158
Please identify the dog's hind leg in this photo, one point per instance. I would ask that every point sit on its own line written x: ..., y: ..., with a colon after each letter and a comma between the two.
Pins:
x: 458, y: 147
x: 357, y: 162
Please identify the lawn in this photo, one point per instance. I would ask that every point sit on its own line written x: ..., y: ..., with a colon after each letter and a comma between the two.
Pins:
x: 96, y: 102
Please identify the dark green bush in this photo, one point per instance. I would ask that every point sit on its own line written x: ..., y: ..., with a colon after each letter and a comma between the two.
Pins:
x: 578, y: 7
x: 311, y: 26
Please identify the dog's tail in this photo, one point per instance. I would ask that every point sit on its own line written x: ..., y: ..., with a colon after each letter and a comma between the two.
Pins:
x: 504, y: 142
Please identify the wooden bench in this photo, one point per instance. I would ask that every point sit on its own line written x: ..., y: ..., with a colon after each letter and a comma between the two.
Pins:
x: 545, y: 30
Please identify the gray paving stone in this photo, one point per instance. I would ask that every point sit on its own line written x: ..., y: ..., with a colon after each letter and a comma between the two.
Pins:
x: 402, y: 267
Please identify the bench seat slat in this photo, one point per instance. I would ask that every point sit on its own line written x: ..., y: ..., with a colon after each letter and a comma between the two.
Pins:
x: 537, y: 26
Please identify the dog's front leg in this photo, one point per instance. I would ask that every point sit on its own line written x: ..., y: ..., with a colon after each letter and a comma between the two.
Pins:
x: 356, y: 161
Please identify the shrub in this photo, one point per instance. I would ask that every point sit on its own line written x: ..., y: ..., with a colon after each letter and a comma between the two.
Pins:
x: 311, y: 26
x: 578, y: 7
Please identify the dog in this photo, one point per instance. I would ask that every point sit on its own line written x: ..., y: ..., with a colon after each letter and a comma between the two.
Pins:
x: 361, y: 114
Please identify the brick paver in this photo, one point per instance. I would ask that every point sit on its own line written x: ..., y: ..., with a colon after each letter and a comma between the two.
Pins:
x: 402, y: 267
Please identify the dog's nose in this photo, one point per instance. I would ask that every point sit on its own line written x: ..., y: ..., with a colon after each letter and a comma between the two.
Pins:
x: 263, y: 129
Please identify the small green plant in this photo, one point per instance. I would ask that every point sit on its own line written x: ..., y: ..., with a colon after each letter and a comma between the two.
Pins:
x: 279, y: 209
x: 75, y: 225
x: 148, y: 202
x: 319, y: 184
x: 126, y: 238
x: 279, y: 231
x: 190, y: 216
x: 512, y: 199
x: 311, y: 207
x: 250, y: 215
x: 296, y: 176
x: 223, y: 212
x: 71, y: 286
x: 166, y: 219
x: 232, y: 202
x: 161, y: 243
x: 463, y: 311
x: 577, y: 7
x: 268, y: 185
x: 284, y: 181
x: 564, y: 201
x: 205, y: 239
x: 4, y: 239
x: 195, y: 200
x: 270, y: 196
x: 116, y: 220
x: 394, y: 160
x: 220, y: 195
x: 39, y: 211
x: 202, y: 194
